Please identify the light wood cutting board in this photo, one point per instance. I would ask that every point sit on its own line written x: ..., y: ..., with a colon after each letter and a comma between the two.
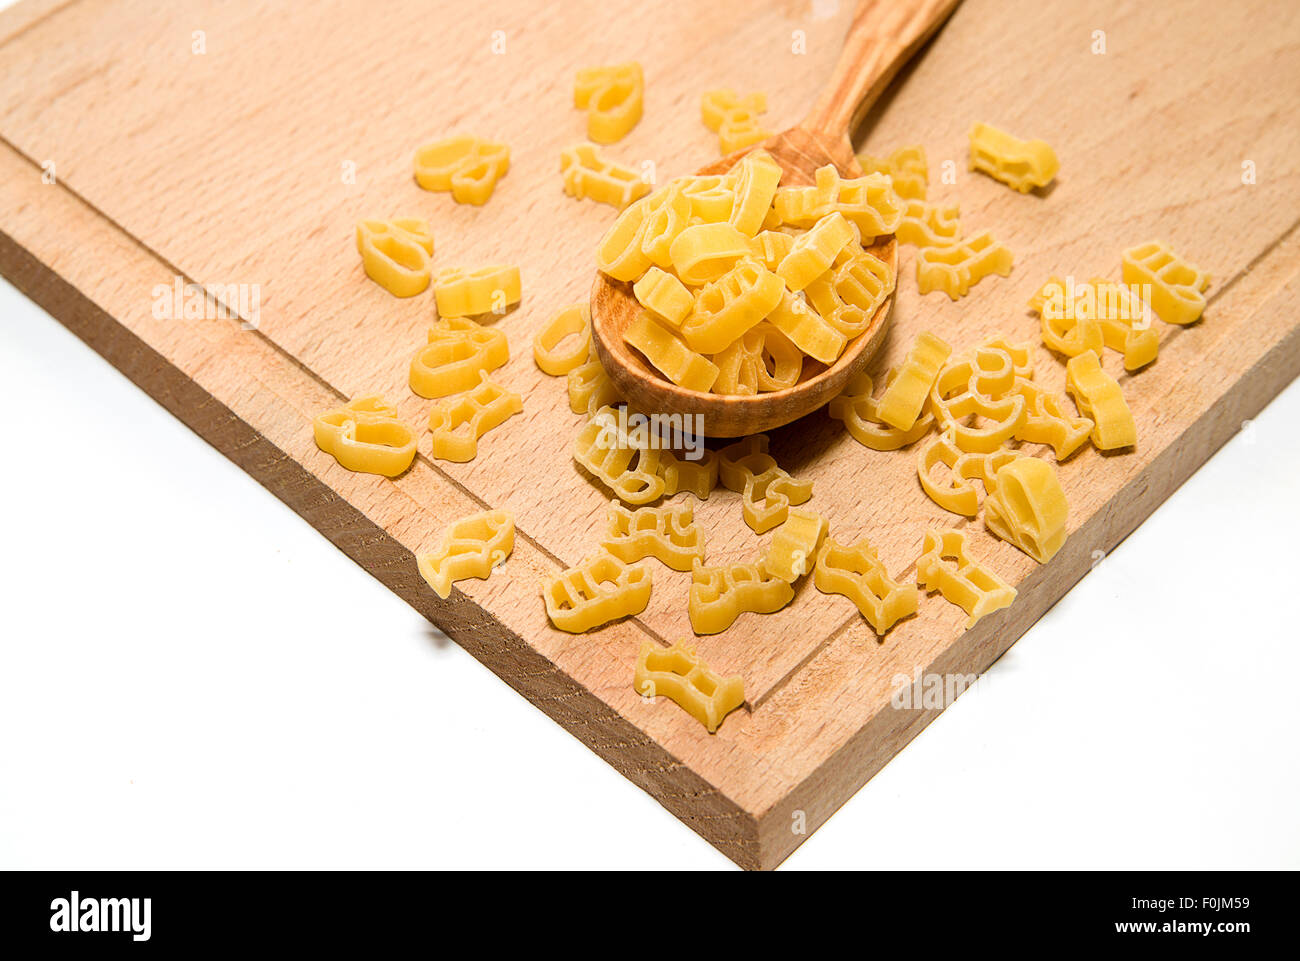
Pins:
x: 228, y: 166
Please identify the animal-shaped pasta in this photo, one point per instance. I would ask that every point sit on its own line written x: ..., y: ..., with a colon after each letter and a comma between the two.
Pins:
x: 365, y: 435
x: 957, y: 267
x: 598, y: 590
x: 613, y: 98
x: 588, y: 175
x: 396, y: 254
x: 906, y: 167
x: 678, y: 673
x: 719, y: 595
x: 857, y: 573
x: 471, y: 547
x: 731, y: 305
x: 457, y: 354
x: 859, y: 411
x: 1099, y: 397
x: 794, y: 545
x: 667, y: 354
x: 467, y: 166
x: 1026, y: 506
x: 1020, y: 164
x: 733, y: 118
x: 484, y: 290
x: 667, y: 534
x: 611, y: 456
x: 458, y: 423
x: 571, y: 323
x: 1176, y: 285
x: 946, y: 566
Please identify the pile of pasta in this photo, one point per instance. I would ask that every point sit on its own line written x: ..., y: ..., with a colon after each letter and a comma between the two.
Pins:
x: 743, y: 281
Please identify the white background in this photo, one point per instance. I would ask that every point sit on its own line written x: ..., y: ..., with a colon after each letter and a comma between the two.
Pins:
x: 191, y: 676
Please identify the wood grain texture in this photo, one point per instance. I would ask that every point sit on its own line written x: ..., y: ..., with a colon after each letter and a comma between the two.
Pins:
x: 225, y: 167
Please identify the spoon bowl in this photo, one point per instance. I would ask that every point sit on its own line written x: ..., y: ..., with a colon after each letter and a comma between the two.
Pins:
x: 883, y: 35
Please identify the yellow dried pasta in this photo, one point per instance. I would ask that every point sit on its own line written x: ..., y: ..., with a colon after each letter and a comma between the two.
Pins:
x: 572, y: 322
x: 719, y: 595
x: 613, y: 98
x: 667, y: 534
x: 485, y: 290
x: 458, y: 423
x: 467, y: 166
x: 471, y: 547
x: 1020, y: 164
x: 669, y: 355
x: 946, y: 566
x: 396, y: 254
x: 458, y: 352
x: 365, y: 435
x: 588, y: 175
x: 596, y: 591
x: 678, y: 673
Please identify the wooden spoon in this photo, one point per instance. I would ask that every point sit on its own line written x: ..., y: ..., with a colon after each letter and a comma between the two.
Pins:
x: 882, y: 37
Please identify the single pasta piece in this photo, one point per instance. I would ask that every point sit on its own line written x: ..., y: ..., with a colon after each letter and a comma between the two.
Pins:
x: 719, y: 595
x: 1176, y: 285
x: 1026, y: 506
x: 907, y: 393
x: 570, y: 323
x: 1020, y: 164
x: 734, y: 119
x: 955, y: 492
x: 366, y: 436
x: 669, y: 212
x: 704, y: 252
x: 695, y: 475
x: 848, y: 295
x: 486, y: 290
x: 730, y: 306
x: 678, y: 673
x: 857, y: 573
x: 467, y: 166
x: 946, y: 566
x: 956, y: 268
x: 767, y: 491
x: 1101, y: 313
x: 589, y: 386
x: 906, y: 167
x: 669, y: 355
x: 619, y: 253
x: 458, y: 423
x: 929, y: 225
x: 613, y: 98
x: 471, y: 547
x: 458, y: 352
x: 794, y: 545
x: 1099, y: 397
x: 664, y: 296
x: 755, y: 188
x: 667, y: 534
x: 598, y: 590
x: 813, y: 253
x: 396, y: 254
x: 807, y: 329
x: 587, y: 175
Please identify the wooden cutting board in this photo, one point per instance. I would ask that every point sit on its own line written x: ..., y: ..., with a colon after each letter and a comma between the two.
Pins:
x: 212, y: 141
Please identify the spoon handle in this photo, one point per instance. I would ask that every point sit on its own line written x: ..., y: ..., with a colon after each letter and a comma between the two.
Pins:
x: 881, y: 38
